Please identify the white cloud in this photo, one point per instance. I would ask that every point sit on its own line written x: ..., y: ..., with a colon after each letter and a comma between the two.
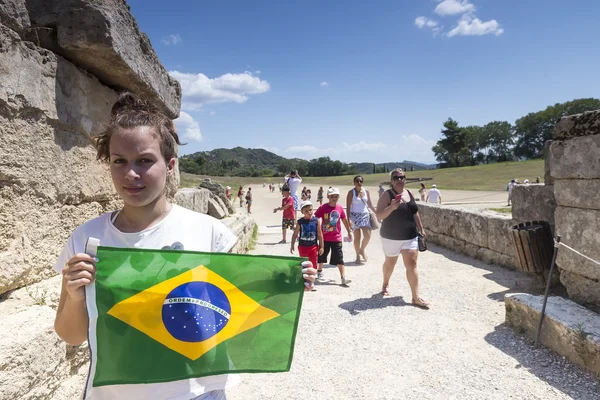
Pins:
x: 324, y: 83
x: 187, y: 125
x: 454, y: 7
x: 198, y: 89
x: 474, y: 27
x: 257, y: 72
x: 172, y: 39
x: 422, y: 22
x: 213, y: 112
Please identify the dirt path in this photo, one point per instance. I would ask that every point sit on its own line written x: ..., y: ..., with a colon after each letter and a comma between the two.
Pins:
x: 353, y: 344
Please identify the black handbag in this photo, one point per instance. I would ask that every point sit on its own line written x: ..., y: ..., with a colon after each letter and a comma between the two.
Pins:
x: 422, y: 243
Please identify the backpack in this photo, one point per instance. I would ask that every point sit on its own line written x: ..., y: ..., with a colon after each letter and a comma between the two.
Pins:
x: 285, y: 186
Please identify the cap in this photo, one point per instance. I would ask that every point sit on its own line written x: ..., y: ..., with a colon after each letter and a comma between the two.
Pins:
x: 285, y: 188
x: 434, y: 185
x: 305, y: 203
x: 333, y: 190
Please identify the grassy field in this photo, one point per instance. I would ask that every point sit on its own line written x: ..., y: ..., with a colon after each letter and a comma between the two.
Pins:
x: 492, y: 177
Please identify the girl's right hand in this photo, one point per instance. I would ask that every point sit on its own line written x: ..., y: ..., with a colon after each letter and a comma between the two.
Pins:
x: 395, y: 203
x: 79, y: 272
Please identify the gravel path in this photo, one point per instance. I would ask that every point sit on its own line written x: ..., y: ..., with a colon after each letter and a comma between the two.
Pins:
x: 353, y: 344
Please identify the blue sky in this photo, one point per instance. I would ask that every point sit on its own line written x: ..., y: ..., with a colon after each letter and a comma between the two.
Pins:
x: 366, y: 80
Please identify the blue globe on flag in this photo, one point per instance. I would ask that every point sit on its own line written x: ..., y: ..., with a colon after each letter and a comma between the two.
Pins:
x: 195, y: 311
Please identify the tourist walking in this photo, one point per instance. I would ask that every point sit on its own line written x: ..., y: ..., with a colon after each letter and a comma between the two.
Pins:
x: 293, y: 181
x: 289, y: 213
x: 434, y: 195
x: 510, y: 188
x: 381, y: 190
x: 249, y: 200
x: 358, y: 204
x: 309, y: 234
x: 320, y: 196
x: 241, y: 196
x: 399, y: 231
x: 138, y: 131
x: 422, y: 192
x: 333, y: 215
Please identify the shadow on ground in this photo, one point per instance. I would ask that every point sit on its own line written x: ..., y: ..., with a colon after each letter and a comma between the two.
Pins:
x: 545, y: 364
x: 377, y: 301
x: 514, y: 281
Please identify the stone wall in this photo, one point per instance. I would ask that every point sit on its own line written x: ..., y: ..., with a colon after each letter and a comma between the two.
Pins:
x: 574, y: 163
x: 481, y: 234
x: 533, y: 202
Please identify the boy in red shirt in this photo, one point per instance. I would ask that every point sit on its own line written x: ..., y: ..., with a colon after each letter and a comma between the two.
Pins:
x: 332, y: 214
x: 289, y: 213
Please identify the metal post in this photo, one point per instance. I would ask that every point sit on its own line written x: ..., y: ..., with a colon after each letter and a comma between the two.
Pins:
x: 552, y: 264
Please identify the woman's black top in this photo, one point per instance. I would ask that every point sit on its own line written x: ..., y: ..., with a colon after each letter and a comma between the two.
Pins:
x: 400, y: 224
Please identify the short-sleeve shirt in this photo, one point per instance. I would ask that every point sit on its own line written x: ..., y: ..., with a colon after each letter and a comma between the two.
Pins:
x: 308, y: 231
x: 434, y: 195
x: 332, y: 221
x: 290, y: 212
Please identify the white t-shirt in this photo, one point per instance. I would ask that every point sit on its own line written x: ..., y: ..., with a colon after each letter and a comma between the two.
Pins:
x: 511, y: 186
x: 182, y: 229
x: 434, y: 195
x: 294, y: 183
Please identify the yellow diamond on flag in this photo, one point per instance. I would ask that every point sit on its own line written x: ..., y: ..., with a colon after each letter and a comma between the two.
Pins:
x: 193, y: 312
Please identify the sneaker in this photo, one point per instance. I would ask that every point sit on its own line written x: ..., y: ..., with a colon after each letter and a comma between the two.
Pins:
x: 319, y: 275
x: 345, y: 281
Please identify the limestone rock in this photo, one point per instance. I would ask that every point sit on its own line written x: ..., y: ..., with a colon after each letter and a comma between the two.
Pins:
x: 458, y: 223
x: 242, y: 225
x: 215, y: 209
x: 103, y: 37
x: 533, y: 203
x: 548, y: 180
x: 193, y: 199
x: 576, y: 158
x: 13, y: 13
x: 499, y: 235
x: 214, y: 187
x: 581, y: 289
x: 569, y: 329
x: 585, y: 124
x: 580, y: 193
x: 227, y: 202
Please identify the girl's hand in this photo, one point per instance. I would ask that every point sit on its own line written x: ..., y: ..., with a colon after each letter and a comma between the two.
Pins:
x: 79, y: 272
x: 292, y: 249
x: 424, y: 234
x: 275, y: 210
x: 309, y: 274
x: 396, y: 203
x: 321, y: 251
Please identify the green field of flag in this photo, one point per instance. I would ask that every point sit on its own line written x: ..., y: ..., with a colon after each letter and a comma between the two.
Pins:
x: 167, y: 315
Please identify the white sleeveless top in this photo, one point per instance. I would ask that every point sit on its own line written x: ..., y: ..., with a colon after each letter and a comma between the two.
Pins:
x: 359, y: 205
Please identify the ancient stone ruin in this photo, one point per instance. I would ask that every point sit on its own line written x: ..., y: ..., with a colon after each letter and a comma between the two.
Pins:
x: 62, y: 65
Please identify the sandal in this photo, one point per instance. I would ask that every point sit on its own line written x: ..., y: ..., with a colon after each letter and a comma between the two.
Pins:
x: 358, y: 260
x: 420, y: 303
x: 282, y: 242
x: 385, y: 290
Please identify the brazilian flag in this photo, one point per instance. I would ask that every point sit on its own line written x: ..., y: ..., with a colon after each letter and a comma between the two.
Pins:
x: 168, y: 315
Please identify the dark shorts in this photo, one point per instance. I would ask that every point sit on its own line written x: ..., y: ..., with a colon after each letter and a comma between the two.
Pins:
x: 288, y: 224
x: 337, y: 255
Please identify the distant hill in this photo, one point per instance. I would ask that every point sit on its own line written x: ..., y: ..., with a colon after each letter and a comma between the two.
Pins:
x: 260, y: 162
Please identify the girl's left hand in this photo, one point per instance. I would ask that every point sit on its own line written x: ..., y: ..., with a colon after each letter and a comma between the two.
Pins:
x: 424, y: 234
x: 309, y: 274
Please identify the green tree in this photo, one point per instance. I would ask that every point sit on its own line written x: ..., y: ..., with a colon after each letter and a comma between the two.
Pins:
x: 499, y: 139
x: 450, y: 145
x: 534, y: 129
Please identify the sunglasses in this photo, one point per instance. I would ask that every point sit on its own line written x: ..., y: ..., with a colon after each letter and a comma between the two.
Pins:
x: 359, y: 181
x: 398, y: 177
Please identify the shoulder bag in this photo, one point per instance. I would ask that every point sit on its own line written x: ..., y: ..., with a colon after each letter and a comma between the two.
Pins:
x: 372, y: 217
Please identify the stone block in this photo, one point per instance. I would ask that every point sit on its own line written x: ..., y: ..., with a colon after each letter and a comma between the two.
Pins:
x: 569, y: 329
x: 578, y: 229
x: 34, y: 232
x: 533, y: 202
x: 221, y: 203
x: 227, y: 202
x: 459, y: 223
x: 215, y: 209
x: 576, y: 158
x: 242, y: 225
x: 103, y: 37
x: 36, y: 82
x: 548, y: 180
x: 33, y: 359
x: 499, y: 235
x: 580, y: 193
x: 214, y: 187
x: 581, y: 289
x: 13, y: 13
x: 494, y: 257
x: 193, y: 199
x: 585, y: 124
x: 458, y: 245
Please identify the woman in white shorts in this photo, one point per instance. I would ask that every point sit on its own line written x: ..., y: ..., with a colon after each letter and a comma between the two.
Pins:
x: 399, y: 230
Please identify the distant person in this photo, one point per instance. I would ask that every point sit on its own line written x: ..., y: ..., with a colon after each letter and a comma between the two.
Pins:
x: 228, y: 192
x: 289, y: 213
x: 241, y: 196
x: 308, y: 194
x: 434, y: 195
x: 304, y: 191
x: 381, y: 190
x: 333, y: 215
x: 537, y: 180
x: 510, y: 188
x: 399, y: 231
x: 320, y: 196
x: 422, y: 192
x: 249, y: 200
x: 294, y: 180
x: 358, y: 203
x: 304, y: 196
x: 309, y: 232
x: 526, y: 181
